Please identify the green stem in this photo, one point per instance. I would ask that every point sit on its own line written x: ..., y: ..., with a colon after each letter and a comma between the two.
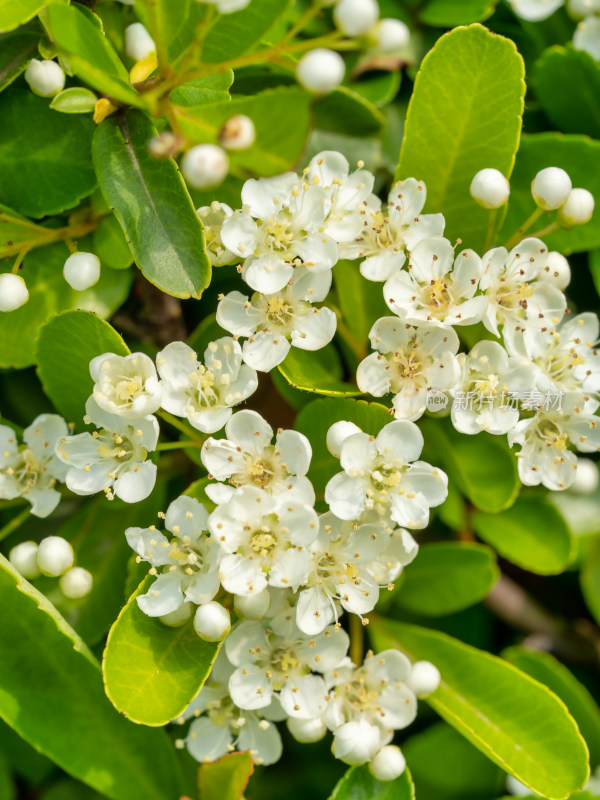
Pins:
x: 554, y: 226
x: 15, y: 523
x: 357, y: 640
x: 518, y: 235
x: 179, y: 445
x: 175, y: 422
x: 491, y: 230
x: 359, y: 350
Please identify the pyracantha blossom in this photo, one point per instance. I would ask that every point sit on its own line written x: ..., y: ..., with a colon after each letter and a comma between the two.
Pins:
x: 385, y: 236
x: 280, y: 659
x: 280, y: 228
x: 587, y: 36
x: 187, y: 565
x: 382, y: 474
x: 213, y: 217
x: 113, y: 458
x: 247, y: 456
x: 401, y: 550
x: 486, y: 395
x: 32, y: 469
x: 438, y: 287
x: 535, y: 10
x: 265, y: 540
x: 545, y: 439
x: 126, y: 385
x: 227, y: 6
x: 205, y: 393
x: 409, y: 362
x: 275, y: 322
x: 340, y: 560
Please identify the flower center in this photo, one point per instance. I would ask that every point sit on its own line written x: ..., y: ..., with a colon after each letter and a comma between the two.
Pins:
x: 278, y: 311
x: 202, y: 381
x: 513, y: 297
x: 125, y: 390
x: 278, y: 233
x: 437, y: 296
x: 263, y: 542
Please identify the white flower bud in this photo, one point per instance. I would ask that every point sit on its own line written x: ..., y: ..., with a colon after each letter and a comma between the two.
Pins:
x: 321, y: 70
x: 424, y: 678
x: 55, y: 556
x: 205, y: 165
x: 578, y: 207
x: 337, y: 433
x: 587, y: 36
x: 138, y: 42
x: 550, y: 188
x: 178, y: 617
x: 45, y: 78
x: 585, y: 482
x: 81, y: 270
x: 165, y: 145
x: 556, y: 270
x: 490, y: 188
x: 306, y: 731
x: 583, y: 8
x: 76, y: 583
x: 252, y: 606
x: 212, y: 622
x: 13, y: 292
x: 356, y: 17
x: 388, y: 764
x: 356, y: 742
x: 238, y: 133
x: 24, y: 558
x: 516, y: 788
x: 390, y: 35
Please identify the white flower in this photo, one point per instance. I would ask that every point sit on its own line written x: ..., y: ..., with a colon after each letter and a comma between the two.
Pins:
x: 138, y: 42
x: 226, y: 6
x: 424, y: 678
x: 204, y: 393
x: 587, y: 36
x: 340, y: 560
x: 535, y: 10
x: 379, y: 474
x: 401, y: 550
x: 274, y: 322
x: 280, y: 228
x: 126, y: 385
x: 356, y: 742
x: 388, y: 764
x: 188, y: 563
x: 265, y: 540
x: 112, y: 459
x: 32, y: 469
x: 247, y: 456
x: 409, y: 361
x: 385, y: 237
x: 437, y: 286
x: 213, y: 217
x: 280, y: 659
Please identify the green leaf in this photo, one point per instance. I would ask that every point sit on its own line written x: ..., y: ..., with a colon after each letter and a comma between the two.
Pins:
x: 441, y: 14
x: 64, y: 369
x: 7, y: 787
x: 315, y: 419
x: 548, y: 670
x: 518, y: 723
x: 110, y: 244
x: 464, y: 115
x: 378, y: 88
x: 171, y: 25
x: 567, y: 85
x: 590, y: 577
x: 532, y: 534
x: 226, y: 778
x: 152, y: 205
x: 280, y: 138
x: 234, y: 34
x: 15, y: 12
x: 580, y: 157
x: 90, y: 55
x: 447, y: 577
x: 210, y: 90
x: 359, y: 784
x: 49, y: 169
x: 152, y: 672
x: 76, y: 100
x: 16, y: 49
x: 345, y: 110
x: 361, y: 301
x: 49, y: 294
x: 303, y: 370
x: 51, y: 693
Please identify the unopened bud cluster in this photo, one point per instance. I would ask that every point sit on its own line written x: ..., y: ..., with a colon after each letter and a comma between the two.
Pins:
x: 53, y: 557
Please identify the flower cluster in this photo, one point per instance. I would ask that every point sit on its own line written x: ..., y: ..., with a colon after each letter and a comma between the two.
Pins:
x: 587, y: 34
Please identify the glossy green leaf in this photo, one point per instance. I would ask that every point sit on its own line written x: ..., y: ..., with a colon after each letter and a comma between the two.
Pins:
x: 7, y: 787
x: 464, y: 115
x: 447, y: 577
x: 234, y: 34
x: 110, y: 244
x: 531, y: 534
x: 226, y: 778
x: 379, y: 88
x: 64, y: 369
x: 345, y: 110
x: 576, y: 796
x: 171, y: 25
x: 518, y: 723
x: 210, y: 90
x: 152, y: 205
x: 152, y: 672
x: 304, y: 371
x: 16, y: 49
x: 50, y: 169
x: 15, y: 229
x: 441, y: 14
x: 359, y: 784
x: 590, y: 577
x: 76, y: 100
x: 51, y: 693
x: 15, y: 12
x: 361, y: 301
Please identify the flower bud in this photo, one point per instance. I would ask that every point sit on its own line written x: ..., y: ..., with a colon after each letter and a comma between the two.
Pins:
x: 583, y: 8
x: 24, y: 558
x: 165, y: 145
x: 205, y: 165
x: 356, y: 742
x: 390, y: 35
x: 138, y: 42
x: 578, y: 207
x: 490, y: 188
x: 388, y: 764
x: 585, y: 482
x: 306, y: 731
x: 212, y: 622
x: 337, y: 433
x: 238, y: 133
x: 252, y: 606
x: 587, y: 36
x: 13, y: 292
x: 76, y: 583
x: 45, y: 78
x: 424, y: 678
x: 356, y: 17
x: 556, y: 270
x: 178, y: 617
x: 81, y: 270
x: 55, y: 556
x: 321, y: 70
x: 550, y: 188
